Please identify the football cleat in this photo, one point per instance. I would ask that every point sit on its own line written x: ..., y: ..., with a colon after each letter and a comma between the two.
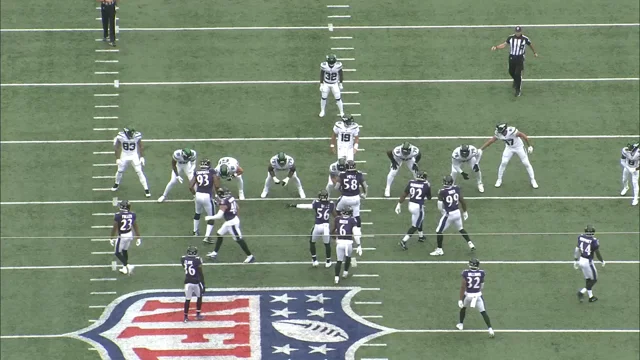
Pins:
x: 580, y: 296
x: 437, y: 252
x: 498, y: 183
x: 422, y: 238
x: 331, y: 60
x: 162, y: 198
x: 200, y: 317
x: 502, y: 128
x: 196, y: 233
x: 406, y: 148
x: 460, y: 326
x: 264, y: 193
x: 147, y: 193
x: 491, y: 333
x: 336, y: 280
x: 124, y: 205
x: 387, y: 192
x: 208, y: 240
x: 205, y: 164
x: 315, y: 263
x: 321, y: 113
x: 347, y: 119
x: 471, y: 246
x: 212, y: 255
x: 124, y: 270
x: 464, y: 151
x: 345, y: 274
x: 328, y: 264
x: 447, y: 180
x: 130, y: 269
x: 129, y: 132
x: 323, y: 195
x: 403, y: 245
x: 250, y: 259
x: 192, y: 250
x: 634, y: 202
x: 593, y: 299
x: 115, y: 187
x: 624, y: 190
x: 186, y: 319
x: 480, y: 188
x: 474, y: 264
x: 534, y: 184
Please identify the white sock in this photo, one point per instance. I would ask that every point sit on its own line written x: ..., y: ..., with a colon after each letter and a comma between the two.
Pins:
x: 529, y: 168
x: 420, y: 233
x: 196, y: 224
x: 118, y: 177
x: 340, y: 106
x: 634, y: 181
x: 240, y: 183
x: 323, y: 104
x: 406, y: 238
x: 479, y: 177
x: 143, y: 180
x: 625, y: 178
x: 583, y: 291
x: 209, y: 230
x: 501, y: 169
x: 590, y: 292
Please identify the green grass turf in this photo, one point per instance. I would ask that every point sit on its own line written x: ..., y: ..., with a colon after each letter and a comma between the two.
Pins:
x: 43, y: 349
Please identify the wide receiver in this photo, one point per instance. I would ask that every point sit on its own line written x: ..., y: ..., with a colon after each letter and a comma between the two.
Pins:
x: 228, y: 169
x: 345, y: 137
x: 279, y: 163
x: 331, y: 80
x: 346, y: 231
x: 323, y: 210
x: 405, y: 153
x: 417, y: 190
x: 466, y: 154
x: 183, y: 161
x: 129, y: 149
x: 630, y: 162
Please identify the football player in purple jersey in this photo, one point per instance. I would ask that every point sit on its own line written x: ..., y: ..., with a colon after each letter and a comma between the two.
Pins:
x: 346, y: 231
x: 588, y: 245
x: 193, y: 281
x: 125, y: 225
x: 471, y: 294
x: 450, y: 202
x: 417, y: 190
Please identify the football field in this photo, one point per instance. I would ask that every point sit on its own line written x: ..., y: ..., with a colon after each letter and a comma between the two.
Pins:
x: 240, y: 79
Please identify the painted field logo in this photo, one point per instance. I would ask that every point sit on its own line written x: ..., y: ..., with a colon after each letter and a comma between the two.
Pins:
x: 265, y: 323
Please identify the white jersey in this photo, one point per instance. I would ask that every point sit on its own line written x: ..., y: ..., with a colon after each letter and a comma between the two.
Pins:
x: 630, y: 159
x: 331, y: 74
x: 129, y: 146
x: 511, y: 139
x: 346, y: 134
x: 333, y: 170
x: 287, y: 165
x: 399, y: 156
x: 473, y: 154
x: 232, y: 164
x: 177, y: 156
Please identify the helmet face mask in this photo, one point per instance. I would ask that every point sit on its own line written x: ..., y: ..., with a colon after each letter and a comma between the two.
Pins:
x: 474, y: 264
x: 464, y: 151
x: 502, y: 128
x: 192, y: 250
x: 406, y: 148
x: 205, y: 164
x: 331, y: 60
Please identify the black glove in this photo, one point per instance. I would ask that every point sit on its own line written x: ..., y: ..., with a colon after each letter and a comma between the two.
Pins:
x: 476, y: 168
x: 415, y: 167
x: 465, y: 175
x: 291, y: 205
x: 394, y: 165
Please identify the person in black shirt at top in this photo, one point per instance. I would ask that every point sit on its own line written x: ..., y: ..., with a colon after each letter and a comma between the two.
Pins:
x: 516, y: 43
x: 108, y: 10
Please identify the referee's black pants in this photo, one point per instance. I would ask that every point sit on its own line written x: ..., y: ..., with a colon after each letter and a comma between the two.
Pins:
x: 516, y: 67
x: 109, y: 21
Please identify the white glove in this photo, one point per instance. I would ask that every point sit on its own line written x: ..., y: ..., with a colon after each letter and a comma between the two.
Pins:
x: 460, y: 304
x: 465, y: 215
x: 275, y: 180
x: 480, y: 152
x: 340, y: 86
x: 575, y: 265
x: 321, y: 87
x: 363, y: 196
x: 398, y: 208
x: 530, y: 149
x: 359, y: 250
x: 180, y: 179
x: 285, y: 181
x: 113, y: 242
x: 118, y: 161
x: 602, y: 263
x: 142, y: 161
x: 138, y: 242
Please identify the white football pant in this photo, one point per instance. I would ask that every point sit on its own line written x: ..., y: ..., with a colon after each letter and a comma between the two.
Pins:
x: 124, y: 241
x: 125, y: 160
x: 392, y: 173
x: 184, y: 169
x: 474, y: 301
x: 626, y: 174
x: 453, y: 218
x: 417, y: 214
x: 344, y: 248
x: 231, y: 227
x: 353, y: 201
x: 320, y: 231
x: 268, y: 182
x: 588, y: 269
x: 522, y: 154
x: 335, y: 89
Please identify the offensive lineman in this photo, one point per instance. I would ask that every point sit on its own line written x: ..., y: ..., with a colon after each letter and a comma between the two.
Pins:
x: 346, y: 231
x: 331, y: 80
x: 417, y: 190
x: 588, y: 244
x: 229, y: 168
x: 334, y: 171
x: 323, y: 209
x: 129, y: 149
x: 466, y: 154
x: 512, y: 145
x: 630, y: 162
x: 229, y: 212
x: 450, y: 202
x: 281, y: 162
x: 407, y: 153
x: 349, y: 183
x: 345, y: 137
x: 182, y: 161
x: 471, y: 294
x: 124, y: 223
x: 202, y: 185
x: 193, y: 281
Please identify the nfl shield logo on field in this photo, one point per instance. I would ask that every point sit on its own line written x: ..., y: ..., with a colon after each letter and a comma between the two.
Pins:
x: 242, y: 324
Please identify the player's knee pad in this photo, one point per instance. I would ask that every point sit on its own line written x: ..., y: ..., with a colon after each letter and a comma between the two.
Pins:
x: 209, y: 222
x: 324, y: 98
x: 338, y: 99
x: 196, y: 216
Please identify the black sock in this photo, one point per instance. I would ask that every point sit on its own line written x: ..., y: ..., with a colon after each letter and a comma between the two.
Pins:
x: 486, y: 318
x: 411, y: 230
x: 218, y: 244
x: 439, y: 239
x: 121, y: 258
x: 338, y: 266
x: 125, y: 255
x: 327, y: 250
x: 312, y: 249
x: 244, y: 247
x: 463, y: 312
x: 347, y: 263
x: 199, y: 305
x: 590, y: 284
x: 186, y: 307
x: 465, y: 235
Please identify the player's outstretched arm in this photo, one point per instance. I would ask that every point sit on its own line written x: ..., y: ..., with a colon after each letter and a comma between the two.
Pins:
x: 499, y: 46
x: 488, y: 143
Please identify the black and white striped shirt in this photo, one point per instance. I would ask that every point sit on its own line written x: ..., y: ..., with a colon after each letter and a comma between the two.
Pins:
x: 517, y: 44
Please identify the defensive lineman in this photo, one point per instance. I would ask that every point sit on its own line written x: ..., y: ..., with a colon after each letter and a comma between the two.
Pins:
x: 466, y: 154
x: 334, y: 171
x: 512, y: 145
x: 345, y: 137
x: 229, y: 168
x: 183, y: 161
x: 331, y: 80
x: 323, y: 209
x: 125, y: 225
x: 405, y: 153
x: 471, y: 294
x: 588, y: 244
x: 349, y: 183
x: 417, y: 190
x: 193, y: 281
x: 630, y: 162
x: 346, y: 230
x: 229, y: 212
x: 450, y: 202
x: 129, y: 149
x: 202, y: 185
x: 281, y: 162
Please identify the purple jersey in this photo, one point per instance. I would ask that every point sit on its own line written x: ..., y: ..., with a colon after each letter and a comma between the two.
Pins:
x: 474, y: 280
x: 344, y: 227
x: 450, y: 197
x: 191, y: 264
x: 323, y: 210
x: 232, y: 208
x: 204, y: 180
x: 350, y: 182
x: 125, y: 220
x: 418, y: 191
x: 587, y: 244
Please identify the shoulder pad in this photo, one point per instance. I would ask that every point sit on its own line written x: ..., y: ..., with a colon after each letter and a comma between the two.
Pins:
x: 337, y: 66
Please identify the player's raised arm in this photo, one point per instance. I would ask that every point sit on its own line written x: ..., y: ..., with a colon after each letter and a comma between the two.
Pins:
x: 487, y: 143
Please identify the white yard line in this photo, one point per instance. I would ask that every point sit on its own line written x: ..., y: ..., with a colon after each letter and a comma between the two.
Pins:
x: 103, y: 165
x: 109, y: 153
x: 107, y: 50
x: 341, y: 37
x: 97, y: 306
x: 107, y: 61
x: 104, y: 117
x: 368, y: 302
x: 101, y: 226
x: 371, y: 316
x: 102, y: 253
x: 105, y: 72
x: 102, y: 279
x: 105, y: 129
x: 339, y: 16
x: 337, y: 6
x: 374, y: 345
x: 366, y: 275
x: 342, y: 48
x: 103, y: 176
x: 106, y: 106
x: 103, y: 293
x: 106, y: 95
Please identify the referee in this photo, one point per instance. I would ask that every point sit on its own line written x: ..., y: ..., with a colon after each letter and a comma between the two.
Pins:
x: 108, y: 10
x: 516, y: 43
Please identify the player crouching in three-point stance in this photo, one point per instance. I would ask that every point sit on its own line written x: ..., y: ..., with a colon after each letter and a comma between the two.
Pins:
x: 471, y: 294
x: 228, y: 211
x: 583, y: 256
x: 345, y: 137
x: 331, y: 80
x: 466, y: 154
x: 129, y: 149
x: 334, y: 172
x: 450, y: 202
x: 323, y: 209
x: 229, y: 168
x: 201, y: 186
x: 125, y: 225
x: 193, y: 281
x: 405, y: 153
x: 417, y: 190
x: 630, y: 162
x: 346, y: 231
x: 512, y: 145
x: 183, y: 161
x: 282, y: 162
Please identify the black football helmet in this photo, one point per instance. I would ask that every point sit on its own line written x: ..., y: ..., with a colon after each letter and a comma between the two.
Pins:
x: 422, y: 176
x: 223, y: 192
x: 406, y: 148
x: 129, y: 132
x: 502, y: 128
x: 347, y: 211
x: 351, y: 165
x: 589, y: 230
x: 323, y: 195
x: 124, y: 205
x: 474, y: 264
x: 347, y: 119
x: 464, y: 151
x: 342, y: 164
x: 205, y: 164
x: 192, y: 250
x: 331, y: 60
x: 447, y: 180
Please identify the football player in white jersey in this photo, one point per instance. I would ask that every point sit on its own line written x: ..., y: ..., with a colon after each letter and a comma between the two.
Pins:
x: 129, y: 149
x: 405, y: 153
x: 466, y: 154
x: 345, y: 137
x: 334, y: 171
x: 229, y: 168
x: 630, y: 162
x: 183, y: 161
x: 513, y: 144
x: 279, y: 163
x: 331, y: 80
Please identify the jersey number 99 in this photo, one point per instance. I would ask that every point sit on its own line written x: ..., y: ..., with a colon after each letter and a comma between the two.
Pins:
x: 452, y: 199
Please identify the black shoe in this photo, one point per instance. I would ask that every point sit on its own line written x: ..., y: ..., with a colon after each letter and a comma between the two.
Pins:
x: 112, y: 43
x: 518, y: 93
x: 422, y: 238
x: 403, y: 245
x: 147, y: 193
x: 593, y: 299
x: 115, y: 187
x: 186, y: 319
x: 580, y: 296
